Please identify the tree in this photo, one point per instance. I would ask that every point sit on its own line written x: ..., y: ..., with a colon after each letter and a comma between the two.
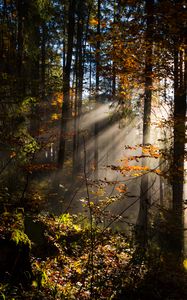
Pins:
x: 97, y: 85
x: 142, y: 223
x: 179, y: 130
x: 83, y: 16
x: 66, y: 82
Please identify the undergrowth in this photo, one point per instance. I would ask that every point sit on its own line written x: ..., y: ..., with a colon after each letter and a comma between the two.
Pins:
x: 79, y: 265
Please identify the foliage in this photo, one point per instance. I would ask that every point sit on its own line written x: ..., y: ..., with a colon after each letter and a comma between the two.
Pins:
x: 71, y: 272
x: 19, y: 237
x: 105, y: 268
x: 147, y: 151
x: 12, y: 227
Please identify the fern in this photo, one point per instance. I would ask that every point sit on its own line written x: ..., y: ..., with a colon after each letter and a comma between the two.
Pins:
x: 19, y: 237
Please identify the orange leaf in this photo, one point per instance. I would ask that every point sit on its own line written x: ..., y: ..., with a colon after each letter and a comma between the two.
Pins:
x: 13, y: 154
x: 122, y: 188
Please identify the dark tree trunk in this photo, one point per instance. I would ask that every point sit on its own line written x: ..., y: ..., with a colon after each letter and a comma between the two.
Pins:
x: 97, y: 79
x: 98, y: 46
x: 179, y: 149
x: 142, y: 222
x: 43, y: 60
x: 113, y: 80
x: 79, y: 85
x: 20, y: 37
x: 90, y: 73
x: 34, y: 66
x: 114, y: 63
x: 66, y: 83
x: 20, y: 34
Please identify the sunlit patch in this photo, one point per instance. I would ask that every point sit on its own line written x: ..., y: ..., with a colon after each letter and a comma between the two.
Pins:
x: 99, y: 113
x: 55, y: 116
x: 185, y: 264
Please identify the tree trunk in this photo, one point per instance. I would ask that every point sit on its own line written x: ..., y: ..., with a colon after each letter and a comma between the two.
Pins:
x: 97, y: 78
x: 43, y: 58
x: 21, y: 85
x: 79, y: 86
x: 113, y: 62
x: 142, y: 222
x: 179, y: 149
x: 66, y: 83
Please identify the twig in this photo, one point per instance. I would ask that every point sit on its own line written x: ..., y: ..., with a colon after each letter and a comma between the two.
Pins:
x: 6, y: 165
x: 91, y: 221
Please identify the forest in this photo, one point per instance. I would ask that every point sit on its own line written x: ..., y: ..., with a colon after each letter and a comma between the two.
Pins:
x: 93, y: 149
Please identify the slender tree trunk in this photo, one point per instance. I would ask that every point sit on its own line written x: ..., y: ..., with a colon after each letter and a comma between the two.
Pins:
x: 142, y: 222
x: 34, y: 76
x: 113, y: 62
x: 66, y: 83
x: 90, y: 73
x: 21, y: 85
x: 75, y: 121
x: 97, y: 79
x: 20, y: 37
x: 79, y: 86
x: 43, y: 70
x: 180, y: 73
x: 113, y: 80
x: 98, y: 46
x: 43, y: 59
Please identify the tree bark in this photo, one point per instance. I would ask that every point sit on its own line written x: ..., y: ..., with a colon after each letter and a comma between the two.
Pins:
x: 43, y: 59
x: 142, y: 222
x: 97, y: 79
x: 66, y: 83
x: 79, y: 70
x: 180, y: 76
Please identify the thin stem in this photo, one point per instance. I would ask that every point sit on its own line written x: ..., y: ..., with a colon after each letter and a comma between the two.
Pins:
x: 91, y: 220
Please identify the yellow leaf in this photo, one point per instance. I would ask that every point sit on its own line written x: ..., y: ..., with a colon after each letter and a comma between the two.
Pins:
x: 34, y: 284
x: 185, y: 264
x: 137, y: 174
x: 55, y: 117
x: 93, y: 22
